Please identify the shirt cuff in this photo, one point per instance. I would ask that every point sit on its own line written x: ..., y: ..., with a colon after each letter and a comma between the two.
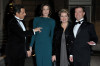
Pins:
x: 33, y: 31
x: 71, y: 55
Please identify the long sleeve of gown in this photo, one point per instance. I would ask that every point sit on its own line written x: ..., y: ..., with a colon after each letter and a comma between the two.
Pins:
x: 33, y: 37
x: 52, y: 29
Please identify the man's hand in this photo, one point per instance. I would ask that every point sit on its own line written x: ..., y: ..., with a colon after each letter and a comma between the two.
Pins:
x: 29, y: 53
x: 71, y: 58
x: 37, y: 29
x: 91, y: 43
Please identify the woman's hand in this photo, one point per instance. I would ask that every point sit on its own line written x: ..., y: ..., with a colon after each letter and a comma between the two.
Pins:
x: 53, y: 58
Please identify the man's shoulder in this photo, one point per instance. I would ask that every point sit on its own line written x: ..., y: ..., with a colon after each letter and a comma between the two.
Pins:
x: 89, y: 24
x: 13, y: 20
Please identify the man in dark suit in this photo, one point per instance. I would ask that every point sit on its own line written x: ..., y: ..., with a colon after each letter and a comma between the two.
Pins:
x: 84, y: 37
x: 17, y: 48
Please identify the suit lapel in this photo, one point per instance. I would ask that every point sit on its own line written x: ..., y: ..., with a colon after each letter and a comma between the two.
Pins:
x: 24, y: 24
x: 15, y: 20
x: 81, y: 27
x: 20, y: 25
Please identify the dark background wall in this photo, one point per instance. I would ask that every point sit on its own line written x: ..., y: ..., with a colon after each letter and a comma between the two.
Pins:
x: 97, y: 9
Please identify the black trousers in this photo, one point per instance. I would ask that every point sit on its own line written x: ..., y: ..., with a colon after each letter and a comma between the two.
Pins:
x: 76, y: 63
x: 16, y: 61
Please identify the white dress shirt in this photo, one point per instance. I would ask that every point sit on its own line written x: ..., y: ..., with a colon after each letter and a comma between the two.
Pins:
x: 76, y: 27
x: 21, y: 23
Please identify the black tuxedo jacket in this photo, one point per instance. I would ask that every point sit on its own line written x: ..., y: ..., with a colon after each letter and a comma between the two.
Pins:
x: 80, y: 48
x: 17, y: 44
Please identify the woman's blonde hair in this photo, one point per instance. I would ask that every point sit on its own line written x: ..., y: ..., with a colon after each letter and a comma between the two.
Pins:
x: 64, y: 11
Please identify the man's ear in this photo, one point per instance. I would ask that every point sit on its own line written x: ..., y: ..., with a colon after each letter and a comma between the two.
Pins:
x: 84, y: 13
x: 17, y: 13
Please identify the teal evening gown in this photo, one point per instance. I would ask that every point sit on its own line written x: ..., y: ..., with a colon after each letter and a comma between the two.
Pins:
x: 43, y: 40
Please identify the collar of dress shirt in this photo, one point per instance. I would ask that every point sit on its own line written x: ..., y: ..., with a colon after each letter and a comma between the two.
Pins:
x: 18, y: 18
x: 80, y: 19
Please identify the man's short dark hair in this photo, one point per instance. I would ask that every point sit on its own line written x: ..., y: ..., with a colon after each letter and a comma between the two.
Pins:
x: 80, y: 7
x: 17, y: 8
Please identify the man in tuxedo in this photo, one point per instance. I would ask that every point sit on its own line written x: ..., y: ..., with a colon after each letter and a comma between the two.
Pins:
x: 17, y: 48
x: 84, y: 36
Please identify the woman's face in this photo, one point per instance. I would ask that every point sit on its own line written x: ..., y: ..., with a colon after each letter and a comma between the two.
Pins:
x: 45, y: 11
x: 64, y: 17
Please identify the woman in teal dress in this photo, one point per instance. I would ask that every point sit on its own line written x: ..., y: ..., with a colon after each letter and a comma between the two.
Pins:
x: 43, y: 39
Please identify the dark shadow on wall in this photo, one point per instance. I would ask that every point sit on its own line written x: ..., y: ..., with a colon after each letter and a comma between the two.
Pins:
x: 8, y: 15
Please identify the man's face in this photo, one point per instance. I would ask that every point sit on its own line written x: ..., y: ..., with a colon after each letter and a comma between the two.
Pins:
x: 79, y: 13
x: 22, y: 14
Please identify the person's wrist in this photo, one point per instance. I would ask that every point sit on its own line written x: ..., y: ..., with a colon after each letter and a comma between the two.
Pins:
x: 34, y: 31
x: 30, y: 49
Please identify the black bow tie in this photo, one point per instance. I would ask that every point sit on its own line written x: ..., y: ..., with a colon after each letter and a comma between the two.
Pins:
x: 20, y: 20
x: 79, y: 22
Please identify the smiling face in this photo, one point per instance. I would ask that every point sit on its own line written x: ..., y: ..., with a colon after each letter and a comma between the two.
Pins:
x: 21, y: 14
x: 63, y: 17
x: 79, y: 13
x: 45, y: 11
